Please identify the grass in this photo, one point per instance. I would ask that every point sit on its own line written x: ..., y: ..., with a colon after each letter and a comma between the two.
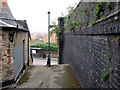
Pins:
x: 25, y: 77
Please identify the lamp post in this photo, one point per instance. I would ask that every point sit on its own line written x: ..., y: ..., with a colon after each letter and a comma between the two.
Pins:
x: 48, y: 62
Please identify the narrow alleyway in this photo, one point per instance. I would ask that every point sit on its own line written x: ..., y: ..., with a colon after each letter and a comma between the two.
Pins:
x: 39, y: 75
x: 57, y: 76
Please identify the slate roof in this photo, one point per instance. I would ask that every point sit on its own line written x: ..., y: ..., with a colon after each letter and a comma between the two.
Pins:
x: 7, y: 20
x: 22, y: 23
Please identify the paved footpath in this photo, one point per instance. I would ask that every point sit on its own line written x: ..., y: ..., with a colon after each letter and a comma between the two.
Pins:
x: 57, y: 76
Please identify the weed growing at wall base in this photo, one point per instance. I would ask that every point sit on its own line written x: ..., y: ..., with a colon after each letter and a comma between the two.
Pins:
x: 111, y: 70
x: 117, y: 39
x: 91, y: 23
x: 98, y: 10
x: 107, y: 56
x: 105, y: 76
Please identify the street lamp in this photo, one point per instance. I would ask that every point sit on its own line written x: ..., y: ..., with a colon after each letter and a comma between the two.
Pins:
x: 48, y: 62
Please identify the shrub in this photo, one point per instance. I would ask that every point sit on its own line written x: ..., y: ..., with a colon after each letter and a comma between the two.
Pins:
x: 44, y: 46
x: 53, y: 44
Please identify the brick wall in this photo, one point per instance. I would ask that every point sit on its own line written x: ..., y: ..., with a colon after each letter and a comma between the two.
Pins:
x: 7, y: 51
x: 94, y: 50
x: 53, y: 38
x: 0, y: 56
x: 10, y: 66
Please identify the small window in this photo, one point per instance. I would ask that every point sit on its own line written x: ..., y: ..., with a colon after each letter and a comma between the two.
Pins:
x: 3, y: 3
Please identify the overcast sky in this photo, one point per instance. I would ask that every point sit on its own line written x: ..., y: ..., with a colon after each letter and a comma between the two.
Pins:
x: 35, y: 11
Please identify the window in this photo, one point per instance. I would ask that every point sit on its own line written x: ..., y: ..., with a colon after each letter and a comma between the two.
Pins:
x: 3, y: 3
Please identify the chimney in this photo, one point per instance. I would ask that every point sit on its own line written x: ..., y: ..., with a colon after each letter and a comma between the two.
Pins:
x: 4, y: 4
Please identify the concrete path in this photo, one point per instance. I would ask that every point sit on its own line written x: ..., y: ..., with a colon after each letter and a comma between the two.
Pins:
x: 60, y: 76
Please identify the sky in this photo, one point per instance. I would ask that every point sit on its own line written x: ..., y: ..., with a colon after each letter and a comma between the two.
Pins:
x: 35, y: 12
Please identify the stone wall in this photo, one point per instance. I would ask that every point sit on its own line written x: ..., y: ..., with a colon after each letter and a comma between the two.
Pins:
x: 19, y: 37
x: 8, y: 68
x: 21, y: 54
x: 7, y: 53
x: 94, y: 50
x: 0, y: 57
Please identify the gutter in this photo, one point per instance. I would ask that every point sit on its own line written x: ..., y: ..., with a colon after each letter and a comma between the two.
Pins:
x: 28, y: 50
x: 6, y: 25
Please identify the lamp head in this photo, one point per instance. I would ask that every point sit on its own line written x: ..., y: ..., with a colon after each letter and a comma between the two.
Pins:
x: 48, y: 12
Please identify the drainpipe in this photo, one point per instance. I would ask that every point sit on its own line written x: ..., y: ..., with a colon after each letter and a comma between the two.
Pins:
x: 28, y: 50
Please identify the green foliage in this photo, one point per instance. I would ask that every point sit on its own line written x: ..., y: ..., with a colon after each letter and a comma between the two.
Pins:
x: 52, y: 43
x: 91, y: 23
x: 111, y: 69
x: 105, y: 76
x: 82, y: 13
x: 70, y: 10
x: 101, y: 18
x: 81, y: 22
x: 44, y: 46
x: 55, y: 28
x: 117, y: 39
x: 60, y: 17
x: 70, y: 24
x: 107, y: 56
x: 98, y: 10
x: 101, y: 13
x: 75, y: 25
x: 53, y: 48
x: 109, y: 6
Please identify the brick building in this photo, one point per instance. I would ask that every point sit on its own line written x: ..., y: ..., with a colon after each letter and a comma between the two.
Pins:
x: 36, y: 37
x: 14, y: 45
x: 53, y: 38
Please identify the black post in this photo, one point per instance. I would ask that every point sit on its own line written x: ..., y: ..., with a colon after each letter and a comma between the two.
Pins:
x: 61, y: 39
x: 48, y: 62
